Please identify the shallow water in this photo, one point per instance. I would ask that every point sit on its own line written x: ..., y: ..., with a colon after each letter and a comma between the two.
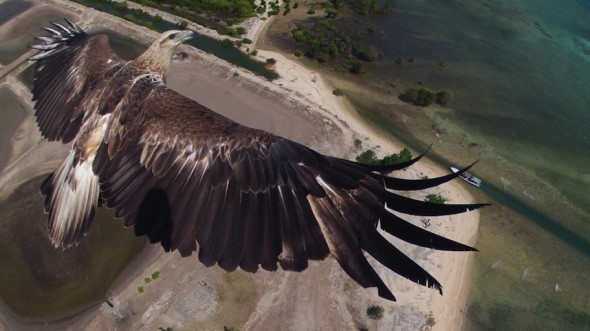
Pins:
x: 15, y: 41
x: 11, y: 8
x: 40, y: 281
x: 518, y: 74
x: 11, y: 115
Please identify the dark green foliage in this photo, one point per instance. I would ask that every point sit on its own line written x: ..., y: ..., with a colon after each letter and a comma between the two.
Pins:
x: 403, y: 156
x: 155, y: 275
x: 246, y: 41
x: 442, y: 98
x: 375, y: 312
x: 228, y: 10
x: 371, y: 28
x: 227, y: 43
x: 419, y: 97
x: 365, y: 53
x: 183, y: 24
x: 254, y: 52
x: 435, y: 198
x: 367, y: 157
x: 295, y: 5
x: 370, y: 157
x: 271, y: 61
x: 338, y: 91
x: 297, y: 53
x: 324, y: 42
x: 287, y: 7
x: 423, y: 97
x: 355, y: 67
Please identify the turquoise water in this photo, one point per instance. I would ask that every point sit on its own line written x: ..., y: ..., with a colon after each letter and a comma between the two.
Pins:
x: 518, y: 72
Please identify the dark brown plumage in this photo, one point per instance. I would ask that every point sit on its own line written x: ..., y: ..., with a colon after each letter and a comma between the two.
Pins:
x: 193, y: 180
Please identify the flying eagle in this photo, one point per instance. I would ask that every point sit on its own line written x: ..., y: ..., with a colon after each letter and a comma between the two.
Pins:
x: 193, y: 180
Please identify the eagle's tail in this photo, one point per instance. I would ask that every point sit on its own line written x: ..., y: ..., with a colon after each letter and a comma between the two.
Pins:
x: 71, y: 196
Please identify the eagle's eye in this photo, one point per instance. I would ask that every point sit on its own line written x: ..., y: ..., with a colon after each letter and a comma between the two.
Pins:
x: 172, y: 36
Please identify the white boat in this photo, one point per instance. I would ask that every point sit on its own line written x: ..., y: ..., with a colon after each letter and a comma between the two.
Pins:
x: 468, y: 177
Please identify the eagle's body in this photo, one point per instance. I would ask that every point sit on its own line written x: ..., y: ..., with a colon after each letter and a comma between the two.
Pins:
x: 193, y: 180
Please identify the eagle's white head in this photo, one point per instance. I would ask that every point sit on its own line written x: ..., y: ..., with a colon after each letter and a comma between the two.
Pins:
x: 157, y: 57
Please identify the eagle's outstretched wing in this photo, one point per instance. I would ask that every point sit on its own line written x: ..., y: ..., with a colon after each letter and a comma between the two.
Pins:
x: 192, y: 179
x: 67, y: 85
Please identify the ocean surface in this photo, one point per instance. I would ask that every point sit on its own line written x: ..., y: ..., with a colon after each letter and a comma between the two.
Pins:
x: 519, y: 75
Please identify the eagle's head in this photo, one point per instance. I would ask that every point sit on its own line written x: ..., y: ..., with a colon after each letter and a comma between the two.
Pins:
x: 157, y: 57
x: 169, y: 40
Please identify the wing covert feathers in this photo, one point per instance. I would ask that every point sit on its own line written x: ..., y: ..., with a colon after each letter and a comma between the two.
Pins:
x: 195, y: 181
x: 244, y: 198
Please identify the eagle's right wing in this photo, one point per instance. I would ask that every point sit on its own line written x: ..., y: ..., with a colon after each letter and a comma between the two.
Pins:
x: 193, y: 180
x: 68, y: 70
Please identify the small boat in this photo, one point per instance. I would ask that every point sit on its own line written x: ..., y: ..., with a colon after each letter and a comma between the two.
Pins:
x: 468, y: 177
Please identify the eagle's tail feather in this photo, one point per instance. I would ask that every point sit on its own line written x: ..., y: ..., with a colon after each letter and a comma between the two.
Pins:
x: 71, y: 196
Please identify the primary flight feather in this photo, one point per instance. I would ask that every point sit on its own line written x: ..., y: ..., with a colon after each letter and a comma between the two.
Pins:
x: 193, y: 180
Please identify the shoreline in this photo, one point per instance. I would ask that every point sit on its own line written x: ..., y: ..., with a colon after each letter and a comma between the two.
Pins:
x: 311, y: 90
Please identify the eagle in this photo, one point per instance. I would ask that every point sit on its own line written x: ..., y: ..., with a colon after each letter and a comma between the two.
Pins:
x: 193, y: 180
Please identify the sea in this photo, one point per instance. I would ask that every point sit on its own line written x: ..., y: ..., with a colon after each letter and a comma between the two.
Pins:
x: 519, y: 77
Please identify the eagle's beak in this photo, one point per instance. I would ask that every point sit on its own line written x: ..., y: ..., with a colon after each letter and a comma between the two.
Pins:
x: 185, y: 35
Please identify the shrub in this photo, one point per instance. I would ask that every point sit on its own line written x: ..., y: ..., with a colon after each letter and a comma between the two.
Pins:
x: 435, y: 198
x: 227, y: 43
x: 375, y: 312
x: 403, y: 156
x: 419, y: 97
x: 442, y: 98
x: 367, y: 157
x: 338, y: 91
x: 355, y: 67
x: 271, y: 61
x: 246, y: 41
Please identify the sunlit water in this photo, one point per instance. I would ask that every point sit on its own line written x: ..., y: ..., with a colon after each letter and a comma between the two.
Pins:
x: 518, y: 73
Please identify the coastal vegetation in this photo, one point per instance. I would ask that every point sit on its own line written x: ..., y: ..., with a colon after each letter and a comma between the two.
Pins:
x: 207, y: 44
x: 370, y: 157
x: 338, y: 37
x: 423, y: 97
x: 375, y: 312
x: 324, y: 42
x: 207, y: 12
x: 435, y: 198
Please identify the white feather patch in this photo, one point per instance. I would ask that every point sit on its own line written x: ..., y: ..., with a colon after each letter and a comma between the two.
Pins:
x: 73, y: 201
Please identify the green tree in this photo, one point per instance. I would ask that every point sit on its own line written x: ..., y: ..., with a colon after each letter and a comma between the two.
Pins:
x: 403, y: 156
x: 368, y: 157
x: 443, y: 97
x: 435, y: 198
x: 375, y: 312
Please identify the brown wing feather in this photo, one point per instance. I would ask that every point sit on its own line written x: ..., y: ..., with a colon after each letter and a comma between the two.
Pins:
x: 244, y: 197
x: 68, y: 75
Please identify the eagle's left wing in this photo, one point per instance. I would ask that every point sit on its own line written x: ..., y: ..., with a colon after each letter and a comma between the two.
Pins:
x: 69, y: 72
x: 192, y: 179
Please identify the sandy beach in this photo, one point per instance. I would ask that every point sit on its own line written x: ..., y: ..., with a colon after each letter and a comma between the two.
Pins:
x: 299, y: 105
